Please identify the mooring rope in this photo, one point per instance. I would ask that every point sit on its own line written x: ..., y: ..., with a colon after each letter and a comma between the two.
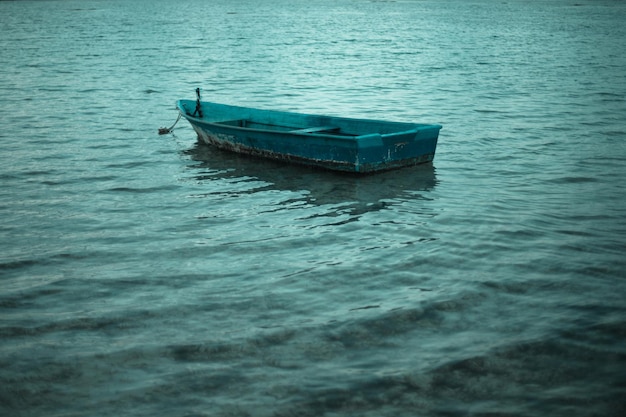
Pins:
x: 165, y: 130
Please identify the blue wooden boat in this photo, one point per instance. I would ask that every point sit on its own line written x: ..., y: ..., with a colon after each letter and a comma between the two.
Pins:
x: 336, y: 143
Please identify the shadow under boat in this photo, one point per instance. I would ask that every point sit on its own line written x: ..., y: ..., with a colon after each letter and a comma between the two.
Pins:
x: 323, y: 186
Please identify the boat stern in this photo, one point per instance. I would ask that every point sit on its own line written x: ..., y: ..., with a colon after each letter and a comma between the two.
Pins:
x: 394, y: 150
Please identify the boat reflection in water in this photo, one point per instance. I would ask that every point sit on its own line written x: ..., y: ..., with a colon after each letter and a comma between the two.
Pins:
x: 317, y: 186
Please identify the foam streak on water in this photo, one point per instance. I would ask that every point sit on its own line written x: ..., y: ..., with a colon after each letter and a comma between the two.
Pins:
x: 149, y: 275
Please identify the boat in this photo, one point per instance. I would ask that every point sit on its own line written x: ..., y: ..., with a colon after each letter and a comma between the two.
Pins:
x: 335, y: 143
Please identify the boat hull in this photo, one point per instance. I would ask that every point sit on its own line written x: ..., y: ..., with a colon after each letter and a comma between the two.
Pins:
x: 335, y: 143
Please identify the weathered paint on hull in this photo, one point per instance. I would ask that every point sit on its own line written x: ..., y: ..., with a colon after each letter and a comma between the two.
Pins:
x: 341, y: 148
x: 230, y: 143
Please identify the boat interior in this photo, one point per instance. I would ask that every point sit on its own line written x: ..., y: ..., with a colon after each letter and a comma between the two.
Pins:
x: 249, y: 124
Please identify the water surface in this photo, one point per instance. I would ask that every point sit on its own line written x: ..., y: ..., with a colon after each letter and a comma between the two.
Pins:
x: 149, y: 275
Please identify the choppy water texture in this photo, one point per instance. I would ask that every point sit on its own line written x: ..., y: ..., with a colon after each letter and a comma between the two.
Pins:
x: 147, y: 275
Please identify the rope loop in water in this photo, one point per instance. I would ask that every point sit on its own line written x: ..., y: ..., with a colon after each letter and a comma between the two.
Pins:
x: 166, y: 130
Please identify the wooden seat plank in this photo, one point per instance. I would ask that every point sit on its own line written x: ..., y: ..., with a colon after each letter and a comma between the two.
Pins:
x: 316, y: 129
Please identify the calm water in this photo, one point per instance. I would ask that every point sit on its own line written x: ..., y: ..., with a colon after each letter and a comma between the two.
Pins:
x: 145, y: 275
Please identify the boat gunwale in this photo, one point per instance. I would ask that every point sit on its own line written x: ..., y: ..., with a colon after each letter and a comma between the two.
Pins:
x: 346, y: 136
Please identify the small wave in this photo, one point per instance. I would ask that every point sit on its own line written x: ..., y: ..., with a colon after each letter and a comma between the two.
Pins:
x: 143, y: 190
x: 574, y: 180
x: 42, y: 260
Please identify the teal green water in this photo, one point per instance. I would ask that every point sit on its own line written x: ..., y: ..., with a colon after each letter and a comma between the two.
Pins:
x: 148, y: 275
